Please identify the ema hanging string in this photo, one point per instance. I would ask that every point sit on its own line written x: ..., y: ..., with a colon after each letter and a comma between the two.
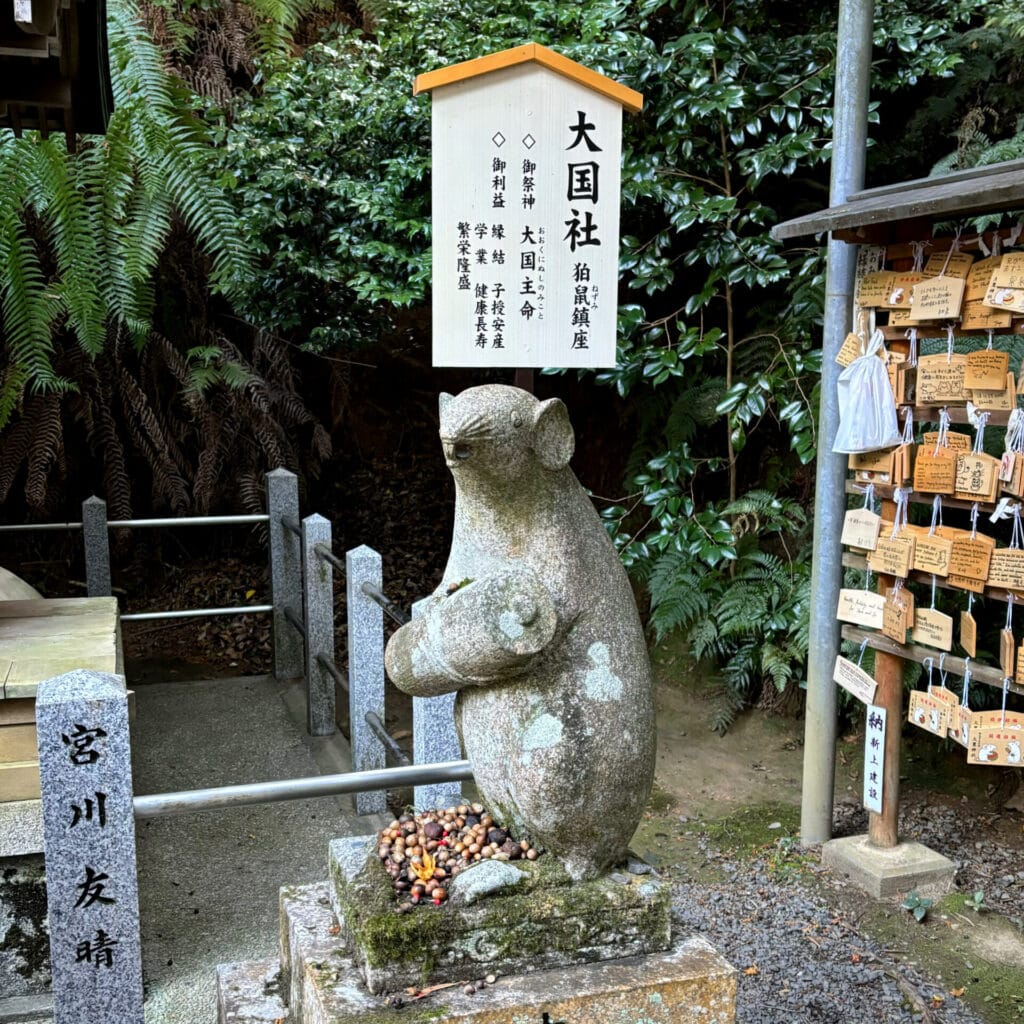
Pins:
x: 902, y: 498
x: 911, y: 336
x: 942, y: 434
x: 936, y: 519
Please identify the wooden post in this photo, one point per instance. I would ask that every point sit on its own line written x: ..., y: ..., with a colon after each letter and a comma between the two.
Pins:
x: 883, y: 829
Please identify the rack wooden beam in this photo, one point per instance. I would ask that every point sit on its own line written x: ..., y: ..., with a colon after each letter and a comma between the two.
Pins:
x: 915, y: 652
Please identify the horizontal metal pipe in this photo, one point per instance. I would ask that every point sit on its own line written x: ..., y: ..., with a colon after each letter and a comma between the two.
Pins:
x: 339, y: 677
x: 159, y: 805
x: 291, y: 523
x: 191, y: 521
x: 329, y: 556
x: 198, y: 613
x: 25, y: 527
x: 390, y: 744
x: 390, y: 608
x: 292, y: 616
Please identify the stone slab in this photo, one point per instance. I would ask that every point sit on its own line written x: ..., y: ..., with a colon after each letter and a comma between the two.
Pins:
x: 686, y: 984
x: 309, y: 932
x: 547, y: 921
x: 26, y: 1009
x: 884, y: 873
x: 21, y: 827
x: 24, y: 938
x: 250, y: 993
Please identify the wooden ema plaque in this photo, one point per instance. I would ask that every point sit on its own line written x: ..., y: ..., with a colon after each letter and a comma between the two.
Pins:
x: 893, y: 556
x: 898, y: 614
x: 1006, y: 569
x: 987, y: 368
x: 979, y: 276
x: 960, y: 725
x: 995, y: 738
x: 971, y: 558
x: 933, y: 629
x: 928, y: 713
x: 873, y: 290
x: 1001, y: 399
x: 977, y: 477
x: 932, y: 553
x: 854, y: 680
x: 937, y: 298
x: 1006, y: 649
x: 977, y: 316
x: 948, y: 264
x: 935, y: 470
x: 956, y: 441
x: 860, y: 529
x: 861, y: 607
x: 901, y: 289
x: 969, y: 634
x: 940, y: 379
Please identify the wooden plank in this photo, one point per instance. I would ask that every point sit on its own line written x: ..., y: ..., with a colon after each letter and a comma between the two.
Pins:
x: 980, y: 673
x: 50, y: 606
x: 1000, y: 188
x: 27, y: 673
x: 19, y: 781
x: 17, y: 712
x: 969, y: 175
x: 18, y: 743
x: 917, y: 497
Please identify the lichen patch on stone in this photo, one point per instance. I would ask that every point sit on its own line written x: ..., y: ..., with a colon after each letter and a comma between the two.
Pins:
x: 601, y: 683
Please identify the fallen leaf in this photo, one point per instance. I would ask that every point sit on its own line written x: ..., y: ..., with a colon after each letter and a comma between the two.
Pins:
x: 752, y: 970
x: 937, y: 999
x: 855, y: 958
x: 250, y: 593
x: 334, y: 929
x: 958, y: 992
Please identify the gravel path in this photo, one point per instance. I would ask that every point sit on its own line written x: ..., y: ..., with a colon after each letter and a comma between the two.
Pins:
x: 799, y: 960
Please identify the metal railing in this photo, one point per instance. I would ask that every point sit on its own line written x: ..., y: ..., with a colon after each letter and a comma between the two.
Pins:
x: 302, y: 563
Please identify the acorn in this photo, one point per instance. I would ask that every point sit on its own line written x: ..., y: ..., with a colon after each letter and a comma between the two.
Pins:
x: 531, y: 854
x: 497, y: 836
x: 440, y: 895
x: 432, y: 830
x: 472, y: 821
x: 478, y: 808
x: 469, y: 990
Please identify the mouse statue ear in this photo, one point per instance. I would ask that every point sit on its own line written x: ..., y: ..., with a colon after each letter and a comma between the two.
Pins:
x: 443, y: 401
x: 552, y: 438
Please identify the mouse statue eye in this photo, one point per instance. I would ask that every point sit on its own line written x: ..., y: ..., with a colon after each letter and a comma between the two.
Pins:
x: 461, y: 451
x: 517, y: 420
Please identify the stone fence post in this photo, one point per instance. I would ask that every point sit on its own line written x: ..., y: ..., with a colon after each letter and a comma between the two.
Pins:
x: 434, y: 739
x: 285, y: 571
x: 365, y: 669
x: 318, y: 618
x: 89, y: 841
x: 96, y: 542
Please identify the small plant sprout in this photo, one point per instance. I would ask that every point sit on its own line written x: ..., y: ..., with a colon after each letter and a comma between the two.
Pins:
x: 917, y: 904
x: 976, y: 901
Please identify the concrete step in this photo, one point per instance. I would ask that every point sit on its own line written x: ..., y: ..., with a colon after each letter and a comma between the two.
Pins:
x: 250, y: 993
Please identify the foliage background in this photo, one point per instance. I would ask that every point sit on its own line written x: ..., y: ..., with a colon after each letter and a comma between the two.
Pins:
x: 264, y: 188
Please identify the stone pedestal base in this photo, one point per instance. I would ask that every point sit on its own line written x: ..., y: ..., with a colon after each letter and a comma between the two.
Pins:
x: 884, y: 873
x: 318, y: 982
x: 538, y: 919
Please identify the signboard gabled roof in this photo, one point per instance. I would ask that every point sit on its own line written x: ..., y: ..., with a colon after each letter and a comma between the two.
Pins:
x: 525, y: 54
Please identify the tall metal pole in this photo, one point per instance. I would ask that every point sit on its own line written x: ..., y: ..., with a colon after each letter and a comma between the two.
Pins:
x: 849, y: 145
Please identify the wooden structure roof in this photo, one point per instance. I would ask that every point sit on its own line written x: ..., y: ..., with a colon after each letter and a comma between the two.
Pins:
x: 996, y: 188
x: 526, y: 54
x: 54, y: 73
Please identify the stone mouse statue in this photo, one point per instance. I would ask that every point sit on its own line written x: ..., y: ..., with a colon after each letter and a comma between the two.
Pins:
x: 535, y: 625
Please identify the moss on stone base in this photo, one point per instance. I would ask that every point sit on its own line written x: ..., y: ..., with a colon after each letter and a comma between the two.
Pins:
x: 547, y: 915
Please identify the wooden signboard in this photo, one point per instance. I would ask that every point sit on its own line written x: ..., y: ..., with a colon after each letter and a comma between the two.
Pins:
x: 525, y: 193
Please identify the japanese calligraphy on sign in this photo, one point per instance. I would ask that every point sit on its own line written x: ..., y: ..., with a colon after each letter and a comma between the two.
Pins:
x: 526, y: 148
x: 89, y: 836
x: 874, y: 758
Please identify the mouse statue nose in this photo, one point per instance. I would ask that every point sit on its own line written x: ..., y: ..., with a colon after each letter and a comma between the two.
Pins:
x: 449, y: 452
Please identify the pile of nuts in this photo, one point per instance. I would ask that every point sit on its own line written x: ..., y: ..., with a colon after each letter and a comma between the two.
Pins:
x: 423, y: 852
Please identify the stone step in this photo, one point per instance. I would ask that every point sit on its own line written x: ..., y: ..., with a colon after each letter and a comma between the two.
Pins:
x: 250, y: 993
x: 688, y: 984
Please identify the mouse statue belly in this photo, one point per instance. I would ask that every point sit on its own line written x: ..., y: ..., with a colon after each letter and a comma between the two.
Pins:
x: 534, y: 624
